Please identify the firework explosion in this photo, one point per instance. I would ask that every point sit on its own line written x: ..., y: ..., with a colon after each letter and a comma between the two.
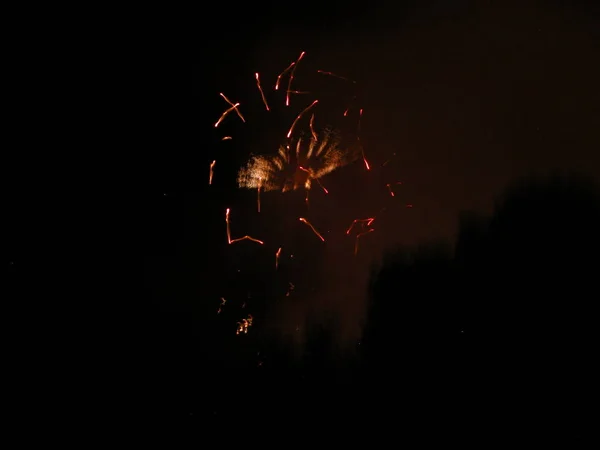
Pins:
x: 296, y: 165
x: 303, y: 159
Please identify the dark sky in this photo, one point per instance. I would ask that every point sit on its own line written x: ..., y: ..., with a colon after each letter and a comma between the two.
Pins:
x: 466, y: 96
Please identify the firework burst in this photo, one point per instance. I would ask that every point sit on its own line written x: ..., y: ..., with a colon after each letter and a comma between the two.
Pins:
x: 302, y: 147
x: 297, y: 164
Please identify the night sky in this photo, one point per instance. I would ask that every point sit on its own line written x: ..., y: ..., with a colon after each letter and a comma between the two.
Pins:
x: 459, y: 100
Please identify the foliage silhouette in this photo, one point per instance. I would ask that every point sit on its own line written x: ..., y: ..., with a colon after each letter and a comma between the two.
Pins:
x: 509, y: 316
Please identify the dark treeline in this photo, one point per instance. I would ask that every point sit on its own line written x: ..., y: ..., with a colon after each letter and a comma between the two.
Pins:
x: 505, y: 322
x: 500, y: 322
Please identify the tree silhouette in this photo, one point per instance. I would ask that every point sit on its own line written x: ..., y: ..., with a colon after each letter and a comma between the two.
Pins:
x: 508, y: 316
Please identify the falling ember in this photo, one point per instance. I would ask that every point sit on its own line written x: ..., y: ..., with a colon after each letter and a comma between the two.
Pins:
x: 302, y: 219
x: 211, y: 172
x: 312, y: 128
x: 227, y: 138
x: 365, y: 222
x: 358, y: 236
x: 365, y: 159
x: 282, y: 74
x: 234, y: 106
x: 312, y: 178
x: 289, y: 89
x: 223, y: 301
x: 291, y: 288
x: 232, y: 241
x: 227, y: 222
x: 227, y: 111
x: 389, y: 186
x: 358, y: 125
x: 242, y: 327
x: 262, y: 94
x: 362, y: 150
x: 277, y: 255
x: 249, y: 238
x: 321, y: 185
x: 331, y: 74
x: 299, y: 116
x: 387, y: 161
x: 258, y: 194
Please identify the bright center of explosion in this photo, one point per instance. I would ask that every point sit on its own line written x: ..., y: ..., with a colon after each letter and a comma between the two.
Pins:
x: 295, y: 165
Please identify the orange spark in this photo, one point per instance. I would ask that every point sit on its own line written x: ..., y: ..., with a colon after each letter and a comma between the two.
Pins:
x: 387, y: 161
x: 358, y: 237
x: 368, y: 221
x: 262, y: 94
x: 291, y: 288
x: 389, y: 186
x: 242, y: 327
x: 321, y: 184
x: 283, y: 73
x: 223, y: 301
x: 227, y: 222
x: 277, y: 255
x: 362, y: 150
x: 227, y: 138
x: 227, y: 111
x: 299, y: 116
x: 365, y: 159
x: 234, y: 106
x: 258, y: 194
x: 316, y: 179
x: 211, y: 172
x: 358, y: 124
x: 302, y: 219
x: 250, y: 238
x: 289, y: 89
x: 311, y: 124
x: 232, y: 241
x: 331, y: 74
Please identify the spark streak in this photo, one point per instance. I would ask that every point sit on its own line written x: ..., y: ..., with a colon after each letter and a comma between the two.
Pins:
x: 232, y: 241
x: 358, y: 237
x: 313, y: 178
x: 242, y: 327
x: 262, y: 94
x: 331, y: 74
x: 211, y: 171
x: 249, y: 238
x: 312, y: 128
x: 277, y: 255
x: 362, y: 150
x: 289, y: 89
x: 389, y: 186
x: 223, y: 301
x: 258, y: 194
x: 302, y: 219
x: 299, y: 116
x: 235, y: 107
x: 227, y: 111
x: 283, y: 73
x: 368, y: 221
